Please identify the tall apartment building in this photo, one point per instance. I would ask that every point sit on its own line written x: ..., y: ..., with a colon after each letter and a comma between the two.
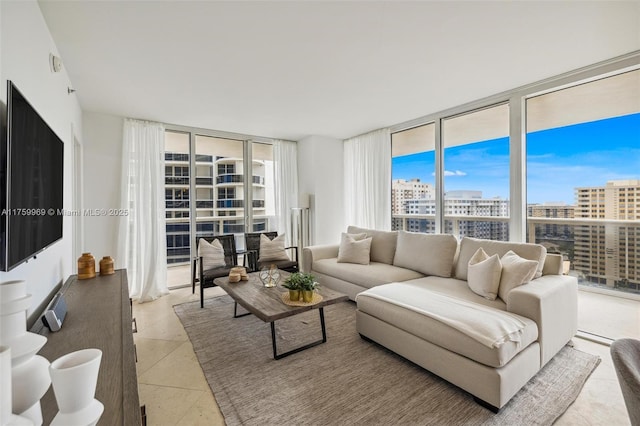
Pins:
x: 609, y: 253
x: 403, y: 190
x: 457, y: 204
x: 219, y: 199
x: 551, y: 209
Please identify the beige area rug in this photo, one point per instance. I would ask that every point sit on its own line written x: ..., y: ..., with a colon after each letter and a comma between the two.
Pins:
x: 349, y: 381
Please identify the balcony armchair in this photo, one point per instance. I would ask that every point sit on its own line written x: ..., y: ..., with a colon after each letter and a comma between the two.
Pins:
x: 205, y: 278
x: 252, y: 255
x: 626, y: 360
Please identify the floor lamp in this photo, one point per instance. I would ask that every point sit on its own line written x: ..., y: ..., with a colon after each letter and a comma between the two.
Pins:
x: 300, y: 230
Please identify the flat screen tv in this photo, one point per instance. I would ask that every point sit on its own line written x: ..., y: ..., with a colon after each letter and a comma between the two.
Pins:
x: 32, y: 172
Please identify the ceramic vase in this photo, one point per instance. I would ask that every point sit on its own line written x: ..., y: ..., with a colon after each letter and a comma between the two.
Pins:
x: 29, y: 372
x: 6, y: 416
x: 74, y: 377
x: 86, y: 266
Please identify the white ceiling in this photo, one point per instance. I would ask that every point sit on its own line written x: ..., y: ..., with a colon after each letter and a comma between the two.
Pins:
x: 292, y: 69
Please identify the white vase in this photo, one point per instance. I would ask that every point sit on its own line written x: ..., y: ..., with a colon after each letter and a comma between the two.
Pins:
x: 74, y: 377
x: 7, y: 418
x: 30, y: 382
x: 5, y: 385
x: 29, y: 373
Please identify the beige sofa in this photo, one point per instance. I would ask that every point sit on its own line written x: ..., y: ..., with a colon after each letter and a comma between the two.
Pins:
x: 408, y: 272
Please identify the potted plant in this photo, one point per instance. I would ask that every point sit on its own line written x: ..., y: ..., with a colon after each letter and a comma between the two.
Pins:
x: 300, y: 284
x: 308, y: 285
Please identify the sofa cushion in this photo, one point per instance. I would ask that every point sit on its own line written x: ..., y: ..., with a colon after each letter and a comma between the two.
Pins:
x: 441, y: 334
x: 383, y: 244
x: 468, y: 246
x: 367, y: 276
x: 354, y: 250
x: 484, y: 274
x: 430, y: 254
x: 515, y: 272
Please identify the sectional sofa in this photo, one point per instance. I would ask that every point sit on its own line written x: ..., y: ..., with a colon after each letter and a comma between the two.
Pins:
x: 414, y: 296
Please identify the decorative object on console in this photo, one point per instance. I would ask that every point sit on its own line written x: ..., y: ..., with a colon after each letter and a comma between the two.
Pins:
x: 106, y: 265
x: 6, y: 416
x: 29, y: 376
x: 86, y: 266
x: 74, y: 377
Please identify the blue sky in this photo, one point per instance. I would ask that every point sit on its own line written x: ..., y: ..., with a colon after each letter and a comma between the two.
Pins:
x: 558, y: 160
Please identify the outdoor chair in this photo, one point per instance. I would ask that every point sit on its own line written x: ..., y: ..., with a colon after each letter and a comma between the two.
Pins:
x: 252, y: 255
x: 205, y: 278
x: 626, y: 360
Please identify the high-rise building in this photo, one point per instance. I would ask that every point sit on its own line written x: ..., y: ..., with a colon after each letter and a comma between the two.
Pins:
x: 552, y: 209
x: 458, y: 204
x: 220, y: 203
x: 403, y: 190
x: 608, y: 254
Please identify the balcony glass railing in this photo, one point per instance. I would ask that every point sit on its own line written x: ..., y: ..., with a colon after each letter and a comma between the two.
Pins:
x: 238, y: 204
x: 177, y: 204
x: 169, y: 156
x: 600, y: 253
x: 178, y: 232
x: 235, y: 178
x: 176, y: 180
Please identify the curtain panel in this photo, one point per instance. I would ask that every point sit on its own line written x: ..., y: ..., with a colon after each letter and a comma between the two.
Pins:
x: 142, y: 245
x: 286, y: 185
x: 367, y: 180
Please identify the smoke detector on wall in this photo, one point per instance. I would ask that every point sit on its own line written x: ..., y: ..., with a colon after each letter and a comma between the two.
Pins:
x: 55, y: 63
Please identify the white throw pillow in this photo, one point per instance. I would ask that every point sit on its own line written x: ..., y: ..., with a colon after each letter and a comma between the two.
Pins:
x: 484, y: 274
x: 352, y: 250
x: 515, y: 272
x: 212, y: 254
x: 272, y: 249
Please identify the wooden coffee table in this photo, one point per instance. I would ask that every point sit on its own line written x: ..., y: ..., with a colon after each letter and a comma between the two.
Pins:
x: 266, y: 304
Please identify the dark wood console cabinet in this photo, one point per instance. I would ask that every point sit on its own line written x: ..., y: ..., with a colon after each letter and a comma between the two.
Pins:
x: 98, y: 316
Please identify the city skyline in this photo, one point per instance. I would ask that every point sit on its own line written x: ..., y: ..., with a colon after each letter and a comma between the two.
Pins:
x: 581, y: 155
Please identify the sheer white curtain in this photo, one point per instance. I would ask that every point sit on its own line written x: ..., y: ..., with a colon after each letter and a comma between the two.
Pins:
x: 142, y: 236
x: 367, y: 180
x: 285, y: 155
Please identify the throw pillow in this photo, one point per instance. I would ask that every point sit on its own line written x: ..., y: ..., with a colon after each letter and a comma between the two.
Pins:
x: 515, y: 272
x: 484, y: 274
x: 272, y: 249
x: 354, y: 251
x: 212, y: 254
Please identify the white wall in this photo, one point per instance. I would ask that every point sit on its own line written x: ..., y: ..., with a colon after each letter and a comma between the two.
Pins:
x: 320, y: 173
x: 25, y: 47
x: 102, y: 155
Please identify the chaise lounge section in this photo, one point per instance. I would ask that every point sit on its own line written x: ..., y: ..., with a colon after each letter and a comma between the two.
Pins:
x: 415, y: 299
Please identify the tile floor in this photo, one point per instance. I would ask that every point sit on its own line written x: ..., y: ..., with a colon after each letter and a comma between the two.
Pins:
x: 173, y: 387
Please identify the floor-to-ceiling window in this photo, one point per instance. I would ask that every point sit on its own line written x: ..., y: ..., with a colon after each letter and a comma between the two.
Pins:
x: 225, y: 187
x: 555, y: 162
x: 413, y: 197
x: 177, y: 199
x: 583, y: 183
x: 476, y: 173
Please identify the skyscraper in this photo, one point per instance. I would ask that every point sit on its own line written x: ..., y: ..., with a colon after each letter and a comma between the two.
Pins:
x: 608, y: 253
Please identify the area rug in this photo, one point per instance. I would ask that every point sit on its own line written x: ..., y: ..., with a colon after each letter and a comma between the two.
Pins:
x: 348, y: 380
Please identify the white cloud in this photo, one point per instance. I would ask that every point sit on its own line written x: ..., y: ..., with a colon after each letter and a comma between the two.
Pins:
x: 450, y: 173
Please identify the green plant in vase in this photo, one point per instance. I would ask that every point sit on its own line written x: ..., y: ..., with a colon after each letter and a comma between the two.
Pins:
x: 300, y: 284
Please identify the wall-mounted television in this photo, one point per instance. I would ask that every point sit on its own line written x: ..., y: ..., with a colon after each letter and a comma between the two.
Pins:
x: 31, y: 179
